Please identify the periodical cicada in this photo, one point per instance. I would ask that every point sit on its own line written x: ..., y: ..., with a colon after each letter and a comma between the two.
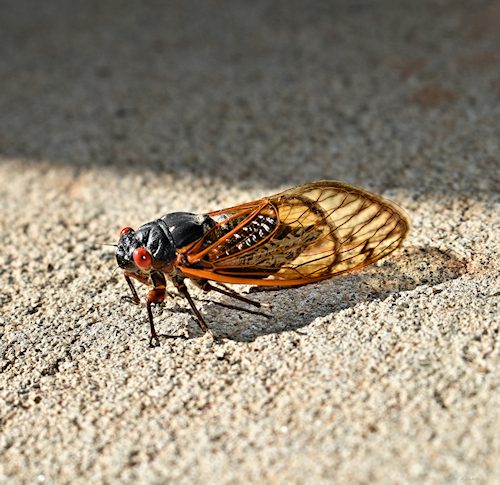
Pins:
x: 303, y: 235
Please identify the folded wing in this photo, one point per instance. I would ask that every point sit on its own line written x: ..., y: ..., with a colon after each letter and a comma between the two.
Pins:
x: 305, y: 234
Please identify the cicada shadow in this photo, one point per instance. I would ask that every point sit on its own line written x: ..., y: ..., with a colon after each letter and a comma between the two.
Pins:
x: 295, y: 308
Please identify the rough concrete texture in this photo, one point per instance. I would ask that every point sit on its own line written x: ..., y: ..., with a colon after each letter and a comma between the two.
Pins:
x: 114, y: 114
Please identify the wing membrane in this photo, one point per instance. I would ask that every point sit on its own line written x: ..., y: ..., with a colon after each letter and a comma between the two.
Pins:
x: 305, y: 234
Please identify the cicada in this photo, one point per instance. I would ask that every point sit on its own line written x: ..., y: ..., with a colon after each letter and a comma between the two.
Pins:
x: 303, y: 235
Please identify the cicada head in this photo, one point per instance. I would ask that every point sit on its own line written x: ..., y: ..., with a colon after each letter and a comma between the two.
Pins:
x: 149, y: 248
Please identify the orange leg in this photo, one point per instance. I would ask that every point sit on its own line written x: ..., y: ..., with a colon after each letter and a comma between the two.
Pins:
x: 156, y: 295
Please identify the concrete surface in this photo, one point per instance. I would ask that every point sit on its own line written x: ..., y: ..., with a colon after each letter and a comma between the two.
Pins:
x: 112, y: 115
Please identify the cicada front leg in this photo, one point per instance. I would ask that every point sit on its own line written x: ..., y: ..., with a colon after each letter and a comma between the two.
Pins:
x: 135, y: 297
x: 156, y: 295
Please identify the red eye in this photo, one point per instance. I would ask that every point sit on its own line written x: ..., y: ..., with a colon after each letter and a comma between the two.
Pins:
x: 125, y: 230
x: 142, y: 258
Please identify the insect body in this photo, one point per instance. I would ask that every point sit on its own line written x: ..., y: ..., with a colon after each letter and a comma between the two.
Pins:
x: 302, y: 235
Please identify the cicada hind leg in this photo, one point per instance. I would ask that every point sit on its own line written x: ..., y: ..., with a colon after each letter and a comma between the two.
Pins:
x: 207, y: 286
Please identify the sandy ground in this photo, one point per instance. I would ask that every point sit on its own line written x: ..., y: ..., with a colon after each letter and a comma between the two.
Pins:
x: 112, y: 116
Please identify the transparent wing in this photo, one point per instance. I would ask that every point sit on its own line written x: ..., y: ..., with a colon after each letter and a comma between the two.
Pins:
x: 305, y: 234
